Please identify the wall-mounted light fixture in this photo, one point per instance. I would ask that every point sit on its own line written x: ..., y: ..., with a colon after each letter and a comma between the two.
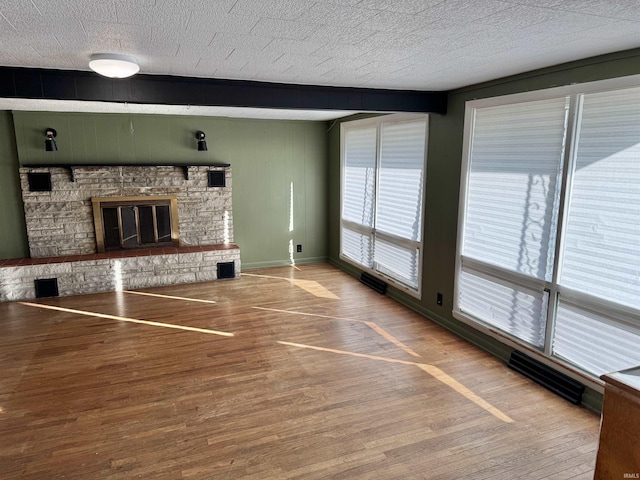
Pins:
x: 50, y: 144
x: 202, y: 145
x: 113, y: 65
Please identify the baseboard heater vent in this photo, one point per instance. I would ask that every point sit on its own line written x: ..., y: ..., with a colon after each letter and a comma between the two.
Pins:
x: 373, y: 282
x: 560, y: 384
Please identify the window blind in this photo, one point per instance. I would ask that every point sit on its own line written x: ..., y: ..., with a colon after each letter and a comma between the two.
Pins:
x: 516, y: 310
x: 512, y: 193
x: 511, y: 228
x: 399, y: 209
x: 397, y: 261
x: 383, y: 170
x: 357, y: 246
x: 602, y: 235
x: 359, y: 176
x: 593, y: 342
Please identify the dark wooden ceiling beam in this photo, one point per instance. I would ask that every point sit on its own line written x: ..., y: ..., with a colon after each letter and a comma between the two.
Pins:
x: 36, y: 83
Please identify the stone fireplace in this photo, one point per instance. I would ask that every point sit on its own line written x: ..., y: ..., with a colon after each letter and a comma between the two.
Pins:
x: 63, y: 221
x: 109, y: 227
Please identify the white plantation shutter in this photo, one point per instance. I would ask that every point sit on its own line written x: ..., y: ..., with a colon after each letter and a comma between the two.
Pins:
x: 383, y: 169
x: 513, y: 182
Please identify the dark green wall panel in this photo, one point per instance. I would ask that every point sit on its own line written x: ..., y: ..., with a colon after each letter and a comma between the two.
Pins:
x: 266, y: 157
x: 12, y: 226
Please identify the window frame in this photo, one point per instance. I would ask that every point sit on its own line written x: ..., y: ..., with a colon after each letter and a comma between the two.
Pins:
x: 378, y: 122
x: 631, y: 316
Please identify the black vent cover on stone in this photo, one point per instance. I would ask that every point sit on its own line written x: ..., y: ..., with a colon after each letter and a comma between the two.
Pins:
x: 226, y: 270
x: 373, y: 282
x: 558, y: 383
x: 217, y: 178
x: 39, y: 181
x: 46, y: 287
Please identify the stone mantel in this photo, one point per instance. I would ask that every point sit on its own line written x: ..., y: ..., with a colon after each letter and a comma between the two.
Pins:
x: 71, y: 167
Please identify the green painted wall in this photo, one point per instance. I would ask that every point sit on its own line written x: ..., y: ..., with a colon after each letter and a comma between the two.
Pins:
x: 268, y: 158
x: 13, y: 236
x: 443, y: 181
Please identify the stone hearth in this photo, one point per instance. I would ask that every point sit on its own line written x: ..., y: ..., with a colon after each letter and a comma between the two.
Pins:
x: 118, y: 270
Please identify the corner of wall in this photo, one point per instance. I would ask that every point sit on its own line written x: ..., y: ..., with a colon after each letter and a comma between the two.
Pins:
x: 13, y: 231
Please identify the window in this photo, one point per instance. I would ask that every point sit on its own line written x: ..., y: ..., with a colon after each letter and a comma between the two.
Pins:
x: 383, y: 165
x: 549, y: 238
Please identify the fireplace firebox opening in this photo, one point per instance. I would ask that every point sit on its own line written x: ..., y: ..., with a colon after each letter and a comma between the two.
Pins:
x: 135, y: 222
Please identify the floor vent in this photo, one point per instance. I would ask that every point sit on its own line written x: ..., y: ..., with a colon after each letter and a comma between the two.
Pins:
x: 562, y: 385
x: 373, y: 282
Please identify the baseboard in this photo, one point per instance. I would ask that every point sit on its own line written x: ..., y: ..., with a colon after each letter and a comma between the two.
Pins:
x: 282, y: 263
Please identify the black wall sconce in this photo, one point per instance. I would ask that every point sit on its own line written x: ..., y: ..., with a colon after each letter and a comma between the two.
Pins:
x: 202, y: 145
x: 50, y: 144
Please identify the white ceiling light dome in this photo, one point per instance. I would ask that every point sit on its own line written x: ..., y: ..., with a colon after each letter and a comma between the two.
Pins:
x: 113, y: 65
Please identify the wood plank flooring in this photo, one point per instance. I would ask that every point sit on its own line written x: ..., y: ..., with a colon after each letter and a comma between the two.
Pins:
x: 286, y: 373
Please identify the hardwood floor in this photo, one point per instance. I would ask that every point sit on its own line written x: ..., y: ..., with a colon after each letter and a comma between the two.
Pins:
x: 286, y: 373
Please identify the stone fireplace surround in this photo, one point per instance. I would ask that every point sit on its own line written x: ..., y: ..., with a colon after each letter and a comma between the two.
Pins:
x: 62, y: 240
x: 60, y: 222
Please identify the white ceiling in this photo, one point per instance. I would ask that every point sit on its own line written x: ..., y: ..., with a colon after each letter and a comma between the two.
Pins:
x: 397, y: 44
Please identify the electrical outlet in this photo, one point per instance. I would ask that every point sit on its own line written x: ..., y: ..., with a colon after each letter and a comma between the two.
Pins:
x: 299, y: 248
x: 439, y: 299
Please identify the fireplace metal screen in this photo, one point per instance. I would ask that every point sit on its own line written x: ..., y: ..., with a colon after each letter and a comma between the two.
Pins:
x: 135, y: 222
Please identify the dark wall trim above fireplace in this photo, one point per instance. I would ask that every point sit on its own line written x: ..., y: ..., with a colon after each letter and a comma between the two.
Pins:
x: 70, y: 166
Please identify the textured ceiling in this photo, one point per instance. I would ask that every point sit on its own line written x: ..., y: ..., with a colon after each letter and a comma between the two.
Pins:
x: 399, y: 44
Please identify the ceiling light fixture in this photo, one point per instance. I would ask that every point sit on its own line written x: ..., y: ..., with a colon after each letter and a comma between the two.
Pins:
x: 113, y: 65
